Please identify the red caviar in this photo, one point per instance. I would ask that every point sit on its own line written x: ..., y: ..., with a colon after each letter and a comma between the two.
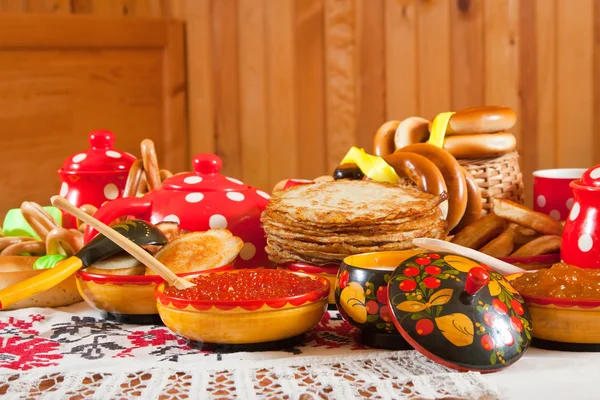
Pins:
x: 246, y: 284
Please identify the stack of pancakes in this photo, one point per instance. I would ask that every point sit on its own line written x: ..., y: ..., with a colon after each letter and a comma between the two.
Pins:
x: 324, y: 222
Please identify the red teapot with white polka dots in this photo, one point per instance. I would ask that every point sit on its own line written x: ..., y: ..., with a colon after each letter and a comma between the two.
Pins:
x: 94, y: 176
x: 581, y: 236
x: 198, y: 201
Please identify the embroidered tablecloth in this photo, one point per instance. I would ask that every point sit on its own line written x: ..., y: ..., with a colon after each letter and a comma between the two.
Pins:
x: 73, y: 353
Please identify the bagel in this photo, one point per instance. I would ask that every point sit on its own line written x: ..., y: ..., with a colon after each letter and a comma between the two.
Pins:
x: 28, y: 247
x: 15, y: 269
x: 150, y: 163
x: 6, y: 241
x: 59, y: 238
x: 411, y: 130
x: 481, y: 120
x: 133, y: 179
x: 454, y: 178
x: 474, y: 203
x: 421, y: 171
x: 383, y: 143
x: 480, y: 145
x: 38, y: 218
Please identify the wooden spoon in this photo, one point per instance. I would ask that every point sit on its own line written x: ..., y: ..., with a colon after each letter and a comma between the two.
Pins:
x: 440, y: 245
x: 140, y: 254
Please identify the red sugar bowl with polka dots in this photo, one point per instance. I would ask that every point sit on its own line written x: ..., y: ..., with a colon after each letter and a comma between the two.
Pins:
x: 581, y: 237
x: 198, y: 201
x: 94, y: 176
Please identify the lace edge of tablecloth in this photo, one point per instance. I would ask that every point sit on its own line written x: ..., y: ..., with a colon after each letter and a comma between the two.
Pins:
x: 390, y: 375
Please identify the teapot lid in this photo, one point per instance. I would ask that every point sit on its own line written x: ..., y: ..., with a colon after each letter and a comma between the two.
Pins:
x: 204, y: 178
x: 458, y: 312
x: 100, y: 157
x: 591, y: 177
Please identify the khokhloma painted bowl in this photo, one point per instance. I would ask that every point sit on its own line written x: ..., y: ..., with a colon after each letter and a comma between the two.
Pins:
x: 243, y: 321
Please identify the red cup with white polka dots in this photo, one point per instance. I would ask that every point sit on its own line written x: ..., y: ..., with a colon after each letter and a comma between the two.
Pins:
x: 94, y: 176
x: 552, y: 194
x: 581, y: 237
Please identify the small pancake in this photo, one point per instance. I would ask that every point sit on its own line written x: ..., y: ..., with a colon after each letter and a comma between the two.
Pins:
x: 120, y: 264
x: 198, y: 251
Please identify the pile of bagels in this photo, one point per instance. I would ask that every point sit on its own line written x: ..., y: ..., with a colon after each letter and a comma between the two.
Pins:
x: 475, y: 133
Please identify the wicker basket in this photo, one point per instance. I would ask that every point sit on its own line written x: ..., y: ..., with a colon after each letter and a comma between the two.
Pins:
x: 497, y: 177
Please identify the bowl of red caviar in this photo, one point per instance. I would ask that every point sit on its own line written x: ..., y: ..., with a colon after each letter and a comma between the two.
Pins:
x: 125, y: 298
x: 244, y: 306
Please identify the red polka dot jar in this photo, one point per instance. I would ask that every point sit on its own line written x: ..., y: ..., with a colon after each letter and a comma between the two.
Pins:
x: 94, y: 176
x: 199, y: 201
x: 581, y: 237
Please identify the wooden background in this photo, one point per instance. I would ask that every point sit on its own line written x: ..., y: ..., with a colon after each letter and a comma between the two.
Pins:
x: 64, y: 76
x: 283, y: 88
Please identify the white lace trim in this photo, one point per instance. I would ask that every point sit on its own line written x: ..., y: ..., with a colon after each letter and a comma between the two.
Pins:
x: 73, y: 353
x: 389, y: 375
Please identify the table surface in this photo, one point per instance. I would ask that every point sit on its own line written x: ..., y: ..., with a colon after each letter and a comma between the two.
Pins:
x: 53, y: 346
x: 544, y: 374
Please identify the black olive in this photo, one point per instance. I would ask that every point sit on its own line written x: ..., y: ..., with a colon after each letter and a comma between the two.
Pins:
x: 348, y: 171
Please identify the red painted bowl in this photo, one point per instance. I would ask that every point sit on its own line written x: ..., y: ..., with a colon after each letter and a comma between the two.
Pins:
x: 121, y: 296
x: 328, y: 272
x: 563, y: 320
x: 243, y: 322
x: 534, y: 262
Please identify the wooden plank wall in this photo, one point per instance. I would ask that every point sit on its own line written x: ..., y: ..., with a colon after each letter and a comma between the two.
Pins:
x: 283, y: 88
x: 137, y: 8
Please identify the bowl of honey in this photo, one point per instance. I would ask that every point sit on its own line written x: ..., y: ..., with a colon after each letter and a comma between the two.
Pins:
x: 244, y: 306
x: 564, y: 303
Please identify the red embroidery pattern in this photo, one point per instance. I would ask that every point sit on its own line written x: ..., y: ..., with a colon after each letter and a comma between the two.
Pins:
x: 23, y: 347
x: 16, y: 353
x: 153, y: 338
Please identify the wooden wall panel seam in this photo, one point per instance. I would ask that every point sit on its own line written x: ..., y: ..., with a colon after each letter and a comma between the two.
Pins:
x: 80, y: 32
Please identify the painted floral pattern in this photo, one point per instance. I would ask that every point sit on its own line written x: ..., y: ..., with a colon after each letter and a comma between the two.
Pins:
x: 429, y: 300
x: 366, y: 304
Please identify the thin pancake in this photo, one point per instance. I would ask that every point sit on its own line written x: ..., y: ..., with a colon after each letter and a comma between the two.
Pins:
x: 351, y: 202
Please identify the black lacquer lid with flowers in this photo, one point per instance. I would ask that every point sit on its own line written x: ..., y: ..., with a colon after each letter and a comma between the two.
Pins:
x: 459, y: 312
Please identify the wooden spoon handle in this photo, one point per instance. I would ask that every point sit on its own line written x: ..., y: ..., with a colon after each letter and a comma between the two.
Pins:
x: 136, y: 251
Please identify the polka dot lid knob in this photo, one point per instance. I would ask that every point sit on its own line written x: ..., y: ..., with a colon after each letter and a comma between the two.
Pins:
x: 581, y: 236
x: 96, y: 175
x: 205, y: 177
x: 100, y: 157
x: 201, y: 200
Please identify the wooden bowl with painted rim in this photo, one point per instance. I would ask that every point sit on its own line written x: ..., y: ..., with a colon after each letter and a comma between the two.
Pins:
x: 534, y: 262
x: 15, y: 269
x: 563, y: 324
x: 126, y: 298
x: 243, y: 321
x: 328, y: 272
